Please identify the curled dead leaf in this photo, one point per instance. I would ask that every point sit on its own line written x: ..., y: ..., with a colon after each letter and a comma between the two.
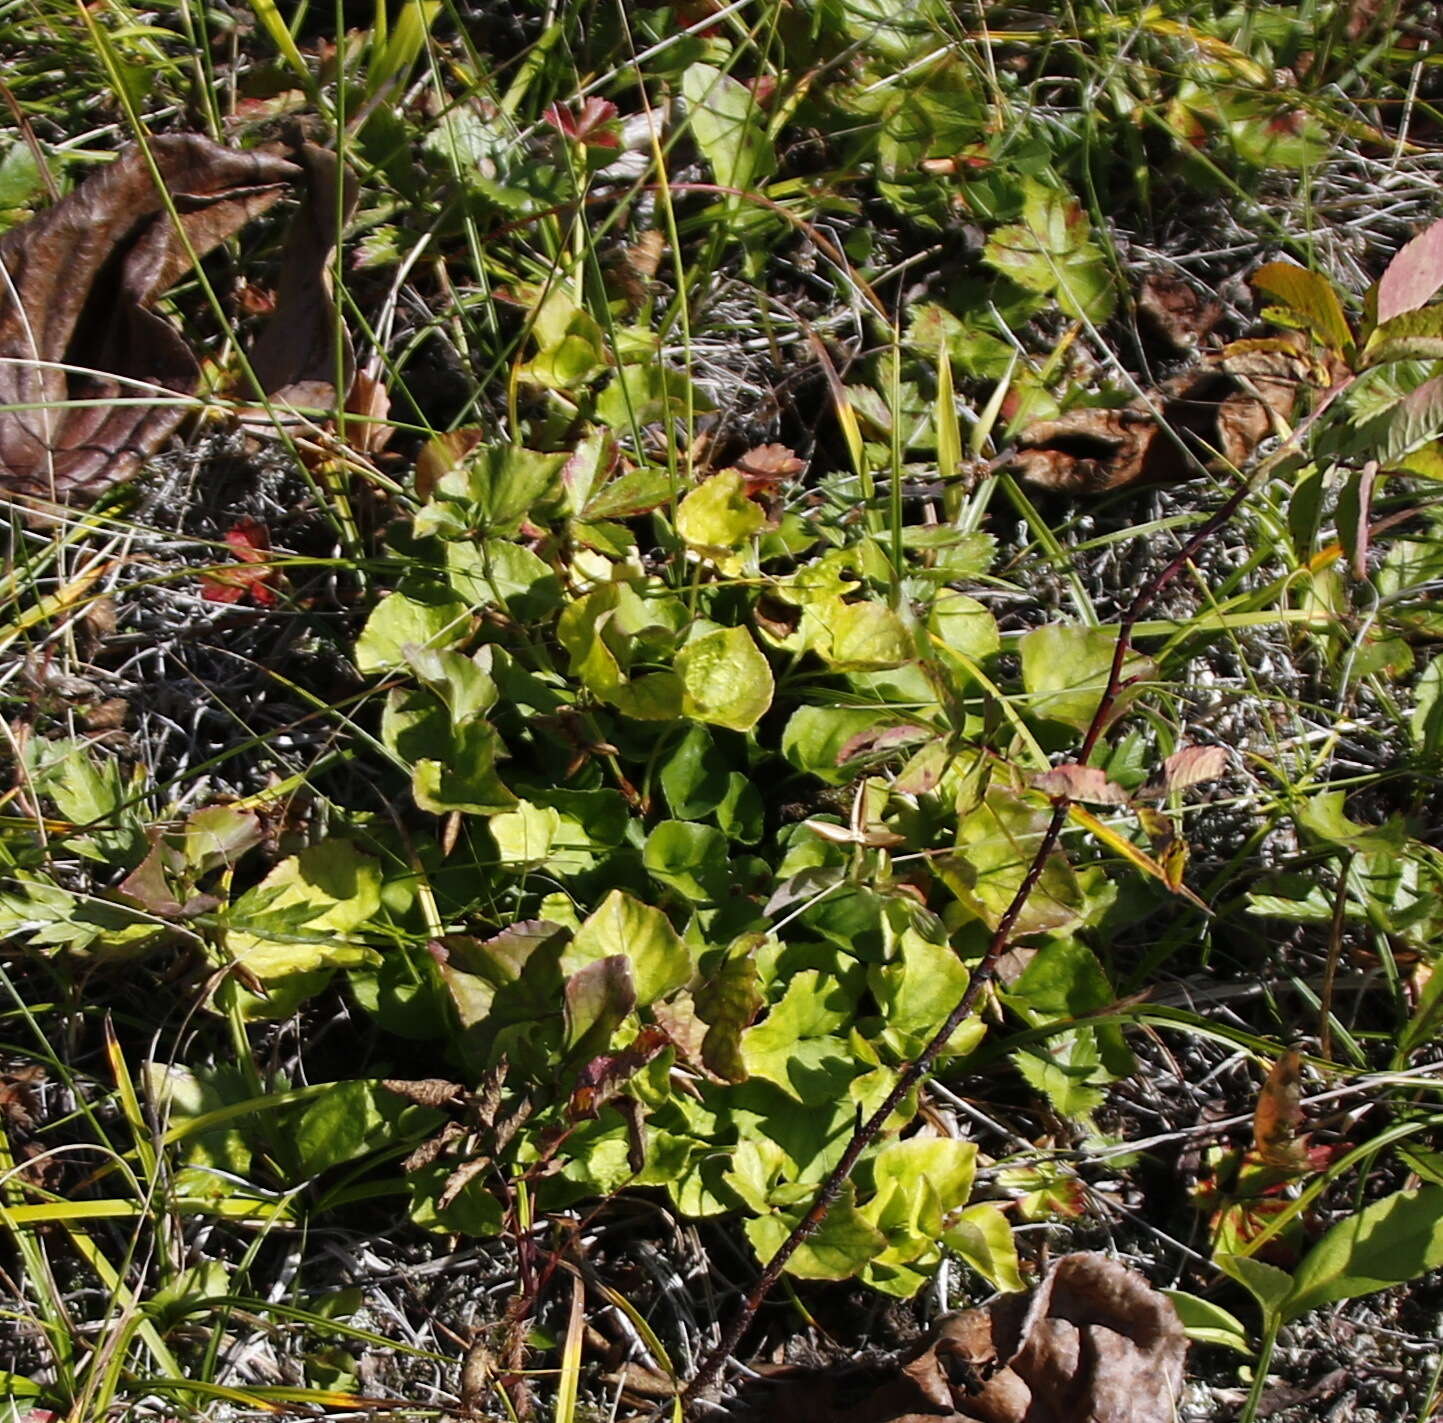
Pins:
x: 295, y: 358
x: 1213, y: 416
x: 81, y: 348
x: 1095, y: 1343
x: 77, y: 285
x: 1177, y: 311
x: 428, y: 1091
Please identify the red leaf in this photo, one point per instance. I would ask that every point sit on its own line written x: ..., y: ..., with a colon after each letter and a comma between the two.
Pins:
x: 1413, y: 275
x: 593, y: 126
x: 250, y: 541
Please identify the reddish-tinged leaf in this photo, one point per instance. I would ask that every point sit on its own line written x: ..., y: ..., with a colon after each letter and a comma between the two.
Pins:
x: 878, y: 739
x: 250, y: 539
x: 593, y: 124
x: 1085, y: 783
x: 1279, y: 1111
x: 1413, y: 276
x: 604, y: 1076
x: 252, y: 577
x: 1190, y: 766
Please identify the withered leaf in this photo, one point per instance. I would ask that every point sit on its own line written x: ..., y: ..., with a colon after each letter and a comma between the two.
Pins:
x: 428, y: 1091
x: 1218, y: 412
x: 77, y: 286
x: 295, y: 357
x: 1177, y: 311
x: 1094, y: 1344
x: 605, y: 1075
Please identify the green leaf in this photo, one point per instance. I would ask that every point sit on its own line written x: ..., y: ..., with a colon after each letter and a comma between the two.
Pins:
x: 492, y: 489
x: 918, y: 1181
x: 638, y: 491
x: 219, y: 835
x: 815, y: 736
x: 982, y: 1239
x: 604, y: 631
x: 725, y: 679
x: 1050, y: 252
x: 461, y: 682
x: 742, y: 813
x: 20, y: 179
x: 501, y: 571
x: 695, y: 776
x: 572, y: 348
x: 728, y: 126
x: 1412, y: 422
x: 1207, y: 1323
x: 916, y: 991
x: 648, y: 393
x: 1412, y: 336
x: 84, y: 792
x: 965, y: 625
x: 353, y: 1118
x: 796, y: 1046
x: 996, y: 843
x: 299, y: 917
x: 1309, y: 297
x: 1324, y: 816
x: 1064, y: 982
x: 717, y: 518
x: 466, y: 779
x: 1426, y: 723
x: 1387, y: 1243
x: 1267, y: 1284
x: 623, y: 925
x: 843, y: 1246
x: 867, y: 636
x: 693, y: 859
x: 523, y: 836
x: 420, y: 614
x: 1065, y: 669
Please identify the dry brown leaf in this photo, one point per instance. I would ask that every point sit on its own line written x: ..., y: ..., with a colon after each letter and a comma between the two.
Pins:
x: 1095, y: 1343
x: 77, y: 286
x: 1219, y: 411
x: 1177, y: 311
x: 635, y: 268
x: 295, y: 358
x: 371, y: 402
x: 427, y: 1091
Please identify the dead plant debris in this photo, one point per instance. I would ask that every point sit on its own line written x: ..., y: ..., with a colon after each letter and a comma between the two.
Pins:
x: 1095, y: 1343
x: 83, y: 353
x: 1212, y: 417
